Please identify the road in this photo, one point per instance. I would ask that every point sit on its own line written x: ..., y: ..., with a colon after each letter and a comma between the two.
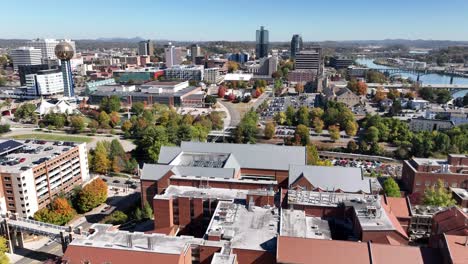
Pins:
x: 234, y: 112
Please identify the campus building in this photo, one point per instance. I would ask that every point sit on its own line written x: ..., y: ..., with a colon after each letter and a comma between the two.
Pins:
x: 45, y: 83
x: 184, y: 72
x: 419, y: 174
x: 32, y: 173
x: 25, y: 56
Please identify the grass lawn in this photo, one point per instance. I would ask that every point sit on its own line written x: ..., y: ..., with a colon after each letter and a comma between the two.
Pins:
x: 54, y: 137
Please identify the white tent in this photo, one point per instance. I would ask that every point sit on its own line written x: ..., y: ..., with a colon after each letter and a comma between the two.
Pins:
x: 61, y: 107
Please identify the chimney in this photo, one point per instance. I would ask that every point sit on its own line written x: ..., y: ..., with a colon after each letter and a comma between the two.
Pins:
x: 129, y: 241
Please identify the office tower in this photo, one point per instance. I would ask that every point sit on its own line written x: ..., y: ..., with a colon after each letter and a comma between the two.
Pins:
x: 24, y: 70
x: 296, y: 45
x: 64, y: 52
x: 45, y: 82
x: 310, y: 59
x: 261, y: 49
x: 47, y: 46
x: 240, y: 57
x: 25, y: 56
x: 146, y: 48
x: 195, y: 52
x: 173, y: 55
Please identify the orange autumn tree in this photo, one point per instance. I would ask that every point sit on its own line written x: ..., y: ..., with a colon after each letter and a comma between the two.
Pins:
x: 361, y: 88
x: 92, y: 195
x: 59, y: 212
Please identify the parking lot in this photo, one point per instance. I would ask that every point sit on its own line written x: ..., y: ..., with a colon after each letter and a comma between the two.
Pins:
x: 287, y: 131
x: 280, y: 104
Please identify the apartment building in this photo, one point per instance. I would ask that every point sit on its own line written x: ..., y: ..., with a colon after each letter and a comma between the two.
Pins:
x: 32, y: 173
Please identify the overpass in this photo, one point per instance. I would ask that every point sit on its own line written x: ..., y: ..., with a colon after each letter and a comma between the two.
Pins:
x: 217, y: 134
x: 419, y: 72
x: 12, y: 227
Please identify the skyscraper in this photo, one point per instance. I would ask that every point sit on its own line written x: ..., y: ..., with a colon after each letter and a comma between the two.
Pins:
x: 296, y: 45
x: 310, y: 59
x: 261, y: 49
x: 195, y: 52
x: 64, y: 52
x: 145, y: 48
x: 174, y: 55
x: 25, y: 56
x: 47, y: 46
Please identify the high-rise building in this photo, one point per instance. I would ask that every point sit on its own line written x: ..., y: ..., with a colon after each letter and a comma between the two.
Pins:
x: 47, y: 46
x: 265, y: 66
x: 24, y: 70
x: 25, y: 56
x: 261, y: 49
x: 195, y: 52
x: 173, y: 55
x: 64, y: 52
x: 309, y: 59
x: 296, y: 45
x: 45, y: 82
x: 240, y: 57
x: 33, y: 174
x: 146, y: 48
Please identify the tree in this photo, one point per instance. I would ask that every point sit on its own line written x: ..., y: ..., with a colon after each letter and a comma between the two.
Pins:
x: 210, y: 100
x: 110, y: 104
x: 247, y: 130
x: 137, y: 108
x: 427, y: 93
x: 25, y: 111
x: 4, y: 128
x: 302, y: 132
x: 312, y: 155
x: 114, y: 119
x: 352, y: 146
x: 316, y: 112
x: 232, y: 66
x: 379, y: 95
x: 318, y: 125
x: 147, y: 212
x: 361, y: 88
x: 269, y: 130
x: 101, y: 162
x: 280, y: 118
x: 59, y: 212
x: 290, y: 116
x: 351, y: 128
x: 127, y: 127
x: 116, y: 218
x: 391, y: 188
x: 443, y: 96
x: 393, y: 94
x: 277, y: 74
x: 302, y: 116
x: 3, y: 249
x: 55, y: 119
x: 334, y: 132
x: 375, y: 77
x: 372, y: 135
x: 221, y: 91
x: 438, y: 195
x: 77, y: 123
x: 104, y: 120
x: 299, y: 87
x: 92, y: 195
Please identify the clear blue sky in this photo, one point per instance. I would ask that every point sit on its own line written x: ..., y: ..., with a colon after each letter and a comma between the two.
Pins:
x: 236, y: 19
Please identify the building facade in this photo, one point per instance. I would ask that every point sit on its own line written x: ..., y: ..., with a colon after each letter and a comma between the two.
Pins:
x: 146, y: 48
x: 422, y: 124
x: 262, y: 43
x: 340, y: 62
x: 24, y: 70
x: 33, y: 173
x: 184, y: 72
x: 195, y: 52
x: 47, y: 46
x: 25, y: 56
x: 173, y: 55
x: 309, y: 60
x: 212, y: 75
x: 45, y: 83
x: 296, y: 45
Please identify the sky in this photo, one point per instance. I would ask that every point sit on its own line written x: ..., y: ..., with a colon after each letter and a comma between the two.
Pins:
x: 231, y: 20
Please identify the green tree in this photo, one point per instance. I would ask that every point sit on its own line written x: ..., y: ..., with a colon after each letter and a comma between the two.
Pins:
x: 427, y: 93
x: 116, y: 218
x: 290, y: 115
x: 316, y: 112
x: 114, y: 119
x: 247, y: 130
x: 269, y: 130
x: 318, y: 125
x: 312, y: 155
x: 352, y: 146
x: 55, y: 119
x: 104, y: 120
x: 101, y: 162
x: 302, y: 116
x: 25, y: 112
x: 391, y: 188
x: 137, y: 108
x: 438, y: 195
x: 334, y: 132
x: 77, y: 123
x: 280, y: 118
x: 92, y: 195
x: 351, y: 128
x: 3, y: 249
x: 110, y: 104
x: 210, y: 100
x: 147, y: 212
x: 302, y: 132
x: 127, y: 127
x: 372, y: 135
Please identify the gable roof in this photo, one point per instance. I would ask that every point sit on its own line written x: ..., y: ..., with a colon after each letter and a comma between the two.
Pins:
x: 168, y: 153
x: 331, y: 178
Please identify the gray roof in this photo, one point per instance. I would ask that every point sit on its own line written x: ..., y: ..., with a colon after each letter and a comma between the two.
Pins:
x: 154, y: 171
x: 331, y: 178
x: 257, y: 156
x: 167, y: 154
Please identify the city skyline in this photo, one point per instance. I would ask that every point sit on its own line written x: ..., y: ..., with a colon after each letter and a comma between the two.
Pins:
x: 205, y: 22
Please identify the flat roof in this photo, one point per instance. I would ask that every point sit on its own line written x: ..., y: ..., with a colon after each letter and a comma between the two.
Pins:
x: 162, y: 83
x: 457, y: 249
x: 137, y: 93
x: 30, y: 153
x: 105, y: 236
x: 188, y: 191
x: 295, y: 223
x: 254, y: 228
x: 238, y: 77
x: 462, y: 193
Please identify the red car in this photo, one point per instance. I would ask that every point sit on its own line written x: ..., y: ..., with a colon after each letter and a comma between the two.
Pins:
x: 22, y: 160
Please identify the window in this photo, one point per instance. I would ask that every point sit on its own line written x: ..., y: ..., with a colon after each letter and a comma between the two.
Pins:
x: 418, y: 183
x: 7, y: 178
x: 9, y: 191
x: 10, y: 198
x: 8, y: 185
x: 11, y: 204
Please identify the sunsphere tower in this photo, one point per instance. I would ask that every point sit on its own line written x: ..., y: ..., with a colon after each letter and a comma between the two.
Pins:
x: 64, y: 52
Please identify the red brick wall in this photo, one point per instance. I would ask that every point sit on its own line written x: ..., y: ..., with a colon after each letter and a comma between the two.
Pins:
x: 206, y: 253
x: 261, y: 200
x: 197, y: 208
x: 222, y: 185
x: 304, y: 183
x: 280, y: 176
x: 163, y: 213
x: 254, y: 256
x: 184, y: 211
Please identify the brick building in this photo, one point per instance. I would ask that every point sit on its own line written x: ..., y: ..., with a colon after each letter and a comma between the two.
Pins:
x: 419, y: 174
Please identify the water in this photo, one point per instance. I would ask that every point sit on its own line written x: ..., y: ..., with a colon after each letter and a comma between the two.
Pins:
x: 432, y: 78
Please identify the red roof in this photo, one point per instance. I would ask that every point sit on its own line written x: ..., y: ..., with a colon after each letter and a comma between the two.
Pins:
x: 394, y: 220
x: 398, y: 206
x: 452, y: 221
x: 383, y: 254
x: 458, y: 250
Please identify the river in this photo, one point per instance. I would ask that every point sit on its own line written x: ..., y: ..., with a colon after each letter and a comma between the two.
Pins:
x: 432, y: 78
